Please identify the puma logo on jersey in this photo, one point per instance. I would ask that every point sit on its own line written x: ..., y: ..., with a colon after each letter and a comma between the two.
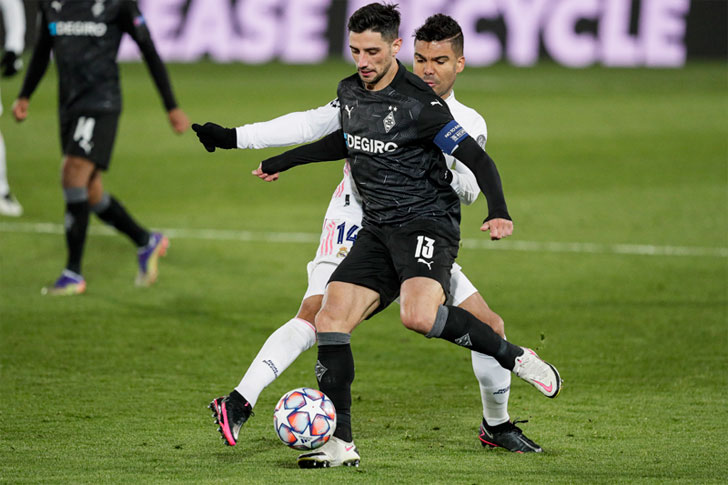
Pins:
x: 428, y: 263
x: 433, y: 103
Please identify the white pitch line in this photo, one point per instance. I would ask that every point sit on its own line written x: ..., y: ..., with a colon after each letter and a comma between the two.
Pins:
x: 310, y: 238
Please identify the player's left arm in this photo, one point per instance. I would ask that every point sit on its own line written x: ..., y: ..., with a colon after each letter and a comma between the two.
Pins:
x: 498, y: 222
x: 463, y: 181
x: 436, y: 124
x: 133, y: 22
x: 329, y: 148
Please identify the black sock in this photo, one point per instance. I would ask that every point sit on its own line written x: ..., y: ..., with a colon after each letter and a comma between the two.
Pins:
x: 335, y: 373
x: 461, y: 327
x: 114, y: 214
x: 76, y: 225
x: 237, y: 397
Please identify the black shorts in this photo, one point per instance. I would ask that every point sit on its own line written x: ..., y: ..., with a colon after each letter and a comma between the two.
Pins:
x: 90, y: 136
x: 385, y: 256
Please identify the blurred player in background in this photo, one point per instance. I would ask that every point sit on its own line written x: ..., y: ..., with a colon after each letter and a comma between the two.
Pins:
x: 84, y: 36
x: 11, y: 62
x: 438, y: 60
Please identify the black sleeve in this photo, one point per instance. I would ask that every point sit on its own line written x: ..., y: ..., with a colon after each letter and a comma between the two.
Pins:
x: 39, y: 61
x: 329, y: 148
x: 483, y: 167
x: 132, y: 21
x: 432, y: 118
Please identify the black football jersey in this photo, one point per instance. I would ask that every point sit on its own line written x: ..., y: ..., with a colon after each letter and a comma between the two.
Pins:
x: 84, y: 36
x: 391, y: 136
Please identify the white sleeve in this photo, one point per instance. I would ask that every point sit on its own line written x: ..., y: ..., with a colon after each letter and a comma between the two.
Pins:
x: 463, y: 180
x: 14, y: 20
x: 291, y: 129
x: 464, y: 183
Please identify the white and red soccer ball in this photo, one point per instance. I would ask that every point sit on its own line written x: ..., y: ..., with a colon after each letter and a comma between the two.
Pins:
x: 304, y: 418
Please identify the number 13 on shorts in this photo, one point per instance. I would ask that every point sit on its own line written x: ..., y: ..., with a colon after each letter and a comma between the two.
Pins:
x: 425, y: 247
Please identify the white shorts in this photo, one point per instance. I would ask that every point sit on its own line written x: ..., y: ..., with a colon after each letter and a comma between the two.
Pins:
x: 319, y: 273
x: 460, y: 286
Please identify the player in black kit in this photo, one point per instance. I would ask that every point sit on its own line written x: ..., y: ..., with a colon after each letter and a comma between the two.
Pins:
x: 84, y: 36
x: 394, y: 130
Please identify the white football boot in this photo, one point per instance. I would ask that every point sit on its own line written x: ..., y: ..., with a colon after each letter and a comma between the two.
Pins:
x: 539, y: 373
x: 9, y: 206
x: 334, y: 453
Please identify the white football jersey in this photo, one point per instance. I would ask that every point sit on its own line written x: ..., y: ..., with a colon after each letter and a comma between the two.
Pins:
x: 14, y: 22
x: 344, y: 213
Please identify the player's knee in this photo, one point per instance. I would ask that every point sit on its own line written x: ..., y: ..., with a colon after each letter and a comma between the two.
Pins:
x: 309, y: 308
x: 76, y: 172
x: 417, y: 320
x: 493, y: 320
x: 498, y: 325
x: 326, y: 321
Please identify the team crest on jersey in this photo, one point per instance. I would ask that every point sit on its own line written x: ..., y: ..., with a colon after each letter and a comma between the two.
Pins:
x: 56, y: 5
x: 98, y: 8
x: 343, y: 251
x: 389, y: 119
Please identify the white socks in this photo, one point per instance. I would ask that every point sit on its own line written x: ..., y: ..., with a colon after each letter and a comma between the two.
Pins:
x: 278, y: 352
x: 297, y: 335
x: 495, y: 388
x: 4, y: 188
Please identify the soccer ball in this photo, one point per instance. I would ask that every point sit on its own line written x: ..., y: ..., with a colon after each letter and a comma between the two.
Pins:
x: 304, y: 418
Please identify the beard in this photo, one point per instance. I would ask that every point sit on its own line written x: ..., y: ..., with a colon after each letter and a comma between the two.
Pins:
x: 378, y: 77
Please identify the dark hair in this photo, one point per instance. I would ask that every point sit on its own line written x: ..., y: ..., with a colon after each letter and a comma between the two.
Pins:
x: 377, y: 17
x: 439, y: 28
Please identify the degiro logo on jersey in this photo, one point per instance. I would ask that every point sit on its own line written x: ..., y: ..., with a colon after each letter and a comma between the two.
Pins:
x: 87, y: 29
x: 368, y: 145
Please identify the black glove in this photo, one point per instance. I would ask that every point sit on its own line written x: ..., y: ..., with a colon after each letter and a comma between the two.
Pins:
x: 212, y: 135
x: 10, y: 64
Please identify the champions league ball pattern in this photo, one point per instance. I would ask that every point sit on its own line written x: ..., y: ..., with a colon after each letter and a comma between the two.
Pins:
x: 304, y: 418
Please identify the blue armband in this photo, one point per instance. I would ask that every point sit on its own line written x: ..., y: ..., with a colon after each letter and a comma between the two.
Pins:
x: 450, y: 137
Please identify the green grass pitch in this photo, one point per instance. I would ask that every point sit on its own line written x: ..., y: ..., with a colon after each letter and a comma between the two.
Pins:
x: 600, y: 168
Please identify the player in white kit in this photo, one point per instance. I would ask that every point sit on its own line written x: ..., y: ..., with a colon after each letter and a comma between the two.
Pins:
x: 438, y: 60
x: 14, y: 22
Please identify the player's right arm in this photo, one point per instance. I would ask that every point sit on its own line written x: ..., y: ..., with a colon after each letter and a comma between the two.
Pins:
x: 290, y: 129
x: 37, y: 68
